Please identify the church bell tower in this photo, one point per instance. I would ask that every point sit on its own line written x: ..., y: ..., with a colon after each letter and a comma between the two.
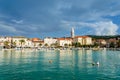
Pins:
x: 72, y: 33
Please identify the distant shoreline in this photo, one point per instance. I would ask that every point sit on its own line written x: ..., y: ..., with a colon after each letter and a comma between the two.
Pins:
x: 95, y: 49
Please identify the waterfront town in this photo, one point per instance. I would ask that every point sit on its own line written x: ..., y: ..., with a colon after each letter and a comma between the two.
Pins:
x: 18, y: 42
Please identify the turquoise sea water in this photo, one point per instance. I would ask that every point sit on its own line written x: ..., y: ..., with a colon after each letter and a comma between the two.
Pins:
x: 59, y: 65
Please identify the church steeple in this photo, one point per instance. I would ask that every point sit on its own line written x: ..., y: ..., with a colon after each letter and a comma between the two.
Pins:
x: 72, y: 33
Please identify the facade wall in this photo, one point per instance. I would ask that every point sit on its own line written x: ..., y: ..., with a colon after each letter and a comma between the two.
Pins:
x: 27, y: 43
x: 83, y: 40
x: 3, y: 39
x: 50, y: 41
x: 36, y: 44
x: 18, y: 43
x: 75, y: 40
x: 63, y: 42
x: 88, y: 41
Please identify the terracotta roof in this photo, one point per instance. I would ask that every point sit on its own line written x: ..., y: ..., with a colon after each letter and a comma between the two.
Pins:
x: 82, y: 37
x: 36, y: 39
x: 112, y: 40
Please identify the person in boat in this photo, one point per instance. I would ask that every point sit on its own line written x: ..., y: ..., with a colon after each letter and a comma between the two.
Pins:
x: 95, y: 63
x: 50, y: 61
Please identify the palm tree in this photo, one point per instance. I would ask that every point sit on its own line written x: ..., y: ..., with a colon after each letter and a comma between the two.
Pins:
x: 66, y: 45
x: 77, y: 44
x: 21, y: 42
x: 6, y: 44
x: 46, y: 45
x: 55, y: 45
x: 14, y: 44
x: 40, y: 44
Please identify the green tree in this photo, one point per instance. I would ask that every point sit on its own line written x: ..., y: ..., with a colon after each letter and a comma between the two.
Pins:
x: 96, y: 44
x: 77, y: 44
x: 6, y: 44
x: 21, y: 42
x: 66, y: 45
x: 112, y: 45
x: 46, y: 45
x: 40, y: 44
x: 13, y: 44
x: 52, y: 45
x: 57, y: 44
x: 73, y: 44
x: 70, y: 45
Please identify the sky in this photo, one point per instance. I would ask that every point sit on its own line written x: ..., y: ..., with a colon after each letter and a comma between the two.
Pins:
x: 55, y: 18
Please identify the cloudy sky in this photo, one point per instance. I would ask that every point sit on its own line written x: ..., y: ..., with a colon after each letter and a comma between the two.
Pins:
x: 54, y: 18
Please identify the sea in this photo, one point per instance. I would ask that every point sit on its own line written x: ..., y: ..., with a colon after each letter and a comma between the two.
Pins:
x: 59, y: 65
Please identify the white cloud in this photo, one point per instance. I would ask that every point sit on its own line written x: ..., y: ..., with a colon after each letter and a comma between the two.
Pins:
x: 17, y: 21
x: 6, y: 28
x: 44, y: 17
x: 103, y: 28
x: 98, y: 28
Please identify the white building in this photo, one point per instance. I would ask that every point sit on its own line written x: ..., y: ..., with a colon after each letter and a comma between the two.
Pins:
x: 64, y: 41
x: 3, y: 39
x: 17, y: 41
x: 49, y: 41
x: 83, y: 40
x: 36, y: 42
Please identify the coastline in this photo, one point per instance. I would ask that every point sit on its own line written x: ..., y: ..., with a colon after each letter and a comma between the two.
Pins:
x: 40, y: 49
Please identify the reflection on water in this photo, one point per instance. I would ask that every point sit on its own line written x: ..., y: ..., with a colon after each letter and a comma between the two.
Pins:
x: 8, y: 56
x: 59, y: 64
